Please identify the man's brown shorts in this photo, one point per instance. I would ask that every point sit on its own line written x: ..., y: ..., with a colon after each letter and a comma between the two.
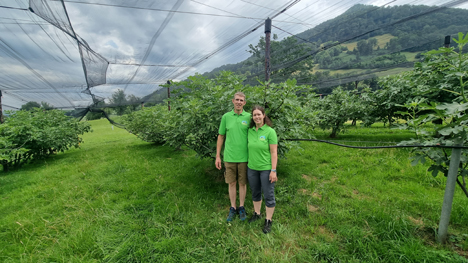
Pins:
x: 236, y: 171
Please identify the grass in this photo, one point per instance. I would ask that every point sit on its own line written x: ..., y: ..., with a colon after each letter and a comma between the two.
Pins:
x: 381, y: 41
x: 118, y: 199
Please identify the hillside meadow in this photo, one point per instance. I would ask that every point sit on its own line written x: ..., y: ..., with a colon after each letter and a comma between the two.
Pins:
x: 119, y: 199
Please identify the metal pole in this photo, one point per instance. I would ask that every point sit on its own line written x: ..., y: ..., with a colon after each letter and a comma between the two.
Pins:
x: 267, y: 48
x: 450, y: 185
x: 168, y: 95
x: 448, y: 195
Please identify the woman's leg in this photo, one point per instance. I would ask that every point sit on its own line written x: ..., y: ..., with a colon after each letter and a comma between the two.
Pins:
x: 256, y: 188
x: 269, y: 193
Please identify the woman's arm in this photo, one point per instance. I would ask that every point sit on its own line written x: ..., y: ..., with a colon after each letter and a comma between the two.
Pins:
x: 274, y: 161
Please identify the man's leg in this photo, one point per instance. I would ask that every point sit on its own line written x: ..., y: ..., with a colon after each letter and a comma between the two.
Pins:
x: 242, y: 193
x: 233, y: 193
x: 242, y: 172
x: 230, y: 177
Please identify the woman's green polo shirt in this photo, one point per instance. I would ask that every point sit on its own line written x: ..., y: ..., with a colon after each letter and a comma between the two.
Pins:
x: 259, y: 147
x: 234, y: 127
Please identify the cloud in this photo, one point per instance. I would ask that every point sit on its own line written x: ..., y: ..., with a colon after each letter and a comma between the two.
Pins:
x: 122, y: 36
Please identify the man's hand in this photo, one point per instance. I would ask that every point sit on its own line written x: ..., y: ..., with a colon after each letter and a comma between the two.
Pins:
x: 218, y: 163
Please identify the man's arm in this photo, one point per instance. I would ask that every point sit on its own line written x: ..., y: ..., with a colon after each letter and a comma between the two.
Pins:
x: 219, y: 145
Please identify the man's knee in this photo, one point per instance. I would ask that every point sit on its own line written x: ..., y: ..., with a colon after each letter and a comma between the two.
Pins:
x: 233, y: 184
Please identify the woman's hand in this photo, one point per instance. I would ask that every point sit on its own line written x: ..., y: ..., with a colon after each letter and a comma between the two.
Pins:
x: 273, y: 177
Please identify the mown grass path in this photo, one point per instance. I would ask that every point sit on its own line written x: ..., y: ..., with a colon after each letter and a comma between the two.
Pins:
x: 118, y: 199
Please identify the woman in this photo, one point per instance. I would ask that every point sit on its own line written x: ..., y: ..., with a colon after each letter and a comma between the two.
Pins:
x: 261, y: 172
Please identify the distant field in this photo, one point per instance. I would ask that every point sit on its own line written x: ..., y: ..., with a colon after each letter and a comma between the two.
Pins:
x: 410, y: 56
x: 381, y: 41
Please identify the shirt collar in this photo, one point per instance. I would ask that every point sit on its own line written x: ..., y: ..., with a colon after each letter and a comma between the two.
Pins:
x: 261, y: 128
x: 241, y: 114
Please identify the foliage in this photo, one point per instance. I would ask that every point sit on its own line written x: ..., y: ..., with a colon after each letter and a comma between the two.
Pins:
x: 441, y: 81
x: 29, y: 135
x: 281, y: 53
x: 119, y: 101
x: 30, y: 105
x: 337, y: 108
x: 46, y: 106
x: 148, y: 124
x: 386, y: 103
x: 196, y: 113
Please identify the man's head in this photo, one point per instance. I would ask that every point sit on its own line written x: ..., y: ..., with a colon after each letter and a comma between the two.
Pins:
x: 238, y: 101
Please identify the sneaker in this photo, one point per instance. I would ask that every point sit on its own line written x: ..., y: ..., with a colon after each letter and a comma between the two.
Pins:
x: 267, y: 227
x: 242, y: 213
x: 232, y: 214
x: 254, y: 218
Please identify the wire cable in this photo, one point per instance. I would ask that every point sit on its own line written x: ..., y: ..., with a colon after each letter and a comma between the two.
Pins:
x: 380, y: 147
x: 174, y: 11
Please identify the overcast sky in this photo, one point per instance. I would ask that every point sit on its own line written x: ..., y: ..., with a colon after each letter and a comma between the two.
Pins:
x: 40, y: 62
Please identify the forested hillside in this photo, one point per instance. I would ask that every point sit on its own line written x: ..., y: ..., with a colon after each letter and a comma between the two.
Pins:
x: 364, y: 42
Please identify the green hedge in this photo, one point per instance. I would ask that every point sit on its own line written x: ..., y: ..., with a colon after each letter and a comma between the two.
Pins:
x: 28, y: 135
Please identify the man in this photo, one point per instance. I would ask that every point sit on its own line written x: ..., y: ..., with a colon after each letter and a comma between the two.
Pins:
x: 234, y: 126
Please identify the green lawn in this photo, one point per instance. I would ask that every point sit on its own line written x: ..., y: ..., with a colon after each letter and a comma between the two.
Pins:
x: 119, y: 199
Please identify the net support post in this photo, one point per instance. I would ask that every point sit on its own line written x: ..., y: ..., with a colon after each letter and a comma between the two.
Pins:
x: 267, y: 48
x: 448, y: 195
x: 169, y: 95
x: 1, y: 108
x: 447, y: 42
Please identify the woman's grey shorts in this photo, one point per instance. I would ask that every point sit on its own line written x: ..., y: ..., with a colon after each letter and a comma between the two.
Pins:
x: 260, y: 181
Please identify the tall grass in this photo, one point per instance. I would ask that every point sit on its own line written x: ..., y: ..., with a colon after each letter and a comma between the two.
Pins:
x: 118, y: 199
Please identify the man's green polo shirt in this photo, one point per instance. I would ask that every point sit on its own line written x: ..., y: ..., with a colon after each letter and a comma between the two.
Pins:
x: 259, y: 147
x: 234, y: 127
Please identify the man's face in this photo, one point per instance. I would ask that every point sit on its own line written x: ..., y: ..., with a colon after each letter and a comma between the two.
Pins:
x: 238, y: 102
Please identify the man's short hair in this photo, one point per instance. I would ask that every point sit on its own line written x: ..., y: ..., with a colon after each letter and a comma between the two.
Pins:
x: 239, y: 93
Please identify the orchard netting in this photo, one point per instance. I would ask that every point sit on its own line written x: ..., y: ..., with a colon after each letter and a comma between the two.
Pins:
x: 75, y: 54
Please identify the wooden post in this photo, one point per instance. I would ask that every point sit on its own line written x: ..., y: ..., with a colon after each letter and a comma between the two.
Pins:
x: 267, y: 48
x: 168, y: 95
x: 1, y: 108
x: 447, y: 41
x: 267, y: 57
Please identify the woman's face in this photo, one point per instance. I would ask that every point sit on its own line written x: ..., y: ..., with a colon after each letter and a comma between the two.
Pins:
x: 258, y: 116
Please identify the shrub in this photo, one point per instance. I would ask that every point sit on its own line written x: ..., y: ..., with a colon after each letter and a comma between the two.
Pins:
x: 27, y: 135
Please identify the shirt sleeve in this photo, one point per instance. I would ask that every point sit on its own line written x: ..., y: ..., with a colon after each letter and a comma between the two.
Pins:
x: 272, y: 138
x: 222, y: 126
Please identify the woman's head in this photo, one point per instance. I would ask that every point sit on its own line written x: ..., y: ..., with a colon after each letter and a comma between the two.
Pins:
x: 259, y: 117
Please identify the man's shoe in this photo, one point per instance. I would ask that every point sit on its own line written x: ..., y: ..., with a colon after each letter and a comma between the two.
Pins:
x: 267, y: 227
x: 232, y: 214
x: 242, y: 214
x: 254, y: 218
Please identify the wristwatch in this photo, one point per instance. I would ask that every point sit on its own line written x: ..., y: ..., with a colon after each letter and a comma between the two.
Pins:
x: 273, y: 170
